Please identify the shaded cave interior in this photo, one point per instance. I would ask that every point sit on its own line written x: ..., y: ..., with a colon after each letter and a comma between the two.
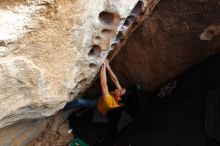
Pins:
x: 184, y: 111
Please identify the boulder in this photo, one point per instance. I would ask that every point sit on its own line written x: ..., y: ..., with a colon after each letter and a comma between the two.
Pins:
x: 51, y: 50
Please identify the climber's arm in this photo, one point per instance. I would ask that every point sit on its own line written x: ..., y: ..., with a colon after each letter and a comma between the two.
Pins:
x: 113, y: 76
x: 103, y: 81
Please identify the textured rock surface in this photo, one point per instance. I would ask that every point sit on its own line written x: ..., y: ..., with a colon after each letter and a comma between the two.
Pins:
x: 45, y: 57
x: 51, y: 131
x: 21, y: 133
x: 176, y: 36
x: 56, y: 133
x: 51, y: 50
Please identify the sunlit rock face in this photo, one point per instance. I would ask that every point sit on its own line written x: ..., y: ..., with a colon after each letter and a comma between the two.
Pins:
x: 51, y: 50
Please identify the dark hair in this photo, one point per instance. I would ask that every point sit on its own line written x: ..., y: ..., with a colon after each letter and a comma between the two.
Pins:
x: 124, y: 98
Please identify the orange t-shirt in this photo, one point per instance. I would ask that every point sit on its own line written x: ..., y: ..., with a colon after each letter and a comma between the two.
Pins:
x: 106, y: 104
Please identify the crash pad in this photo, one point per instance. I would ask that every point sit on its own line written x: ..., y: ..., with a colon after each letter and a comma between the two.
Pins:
x: 78, y: 142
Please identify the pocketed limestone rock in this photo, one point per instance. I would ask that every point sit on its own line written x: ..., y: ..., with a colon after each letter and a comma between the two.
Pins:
x: 51, y: 50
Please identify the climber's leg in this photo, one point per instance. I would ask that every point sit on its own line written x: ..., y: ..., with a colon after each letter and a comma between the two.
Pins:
x: 81, y: 102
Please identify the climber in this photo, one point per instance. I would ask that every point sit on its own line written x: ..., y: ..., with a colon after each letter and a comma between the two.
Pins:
x: 109, y: 100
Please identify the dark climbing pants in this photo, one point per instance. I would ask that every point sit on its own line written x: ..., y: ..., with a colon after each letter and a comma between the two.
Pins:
x: 81, y: 102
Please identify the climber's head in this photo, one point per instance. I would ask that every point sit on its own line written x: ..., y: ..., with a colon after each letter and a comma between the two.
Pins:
x: 118, y: 93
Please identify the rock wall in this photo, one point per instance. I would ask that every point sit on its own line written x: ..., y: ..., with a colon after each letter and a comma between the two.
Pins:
x: 22, y: 133
x: 51, y: 50
x: 51, y: 131
x: 176, y: 36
